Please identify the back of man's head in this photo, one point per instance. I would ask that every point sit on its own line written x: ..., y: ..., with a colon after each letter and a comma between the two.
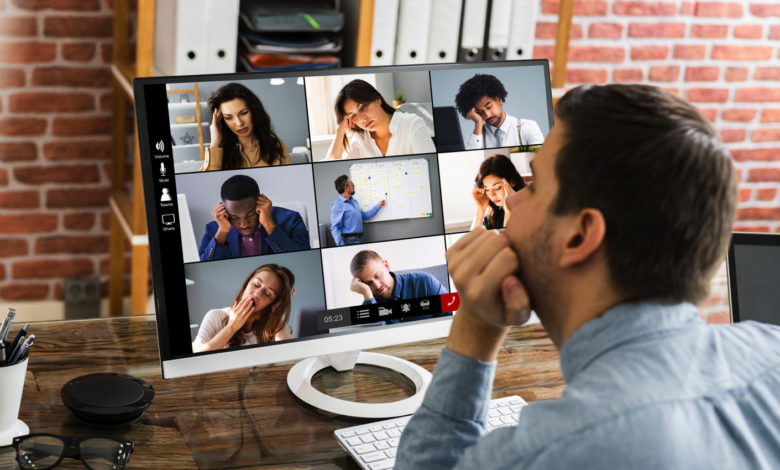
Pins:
x: 239, y: 187
x: 341, y: 183
x: 665, y: 184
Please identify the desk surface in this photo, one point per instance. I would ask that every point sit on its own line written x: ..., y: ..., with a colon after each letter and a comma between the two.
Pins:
x: 238, y: 419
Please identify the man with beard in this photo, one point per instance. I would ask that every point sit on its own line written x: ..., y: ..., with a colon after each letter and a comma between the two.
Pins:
x: 628, y: 216
x: 481, y: 99
x: 346, y: 216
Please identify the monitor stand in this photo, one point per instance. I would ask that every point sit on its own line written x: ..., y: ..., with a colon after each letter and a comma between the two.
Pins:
x: 299, y: 382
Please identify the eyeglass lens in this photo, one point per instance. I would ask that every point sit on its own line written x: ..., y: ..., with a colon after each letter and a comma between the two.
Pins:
x: 38, y: 452
x: 103, y: 454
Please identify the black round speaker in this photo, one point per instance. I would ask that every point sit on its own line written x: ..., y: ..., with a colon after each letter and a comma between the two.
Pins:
x: 107, y: 398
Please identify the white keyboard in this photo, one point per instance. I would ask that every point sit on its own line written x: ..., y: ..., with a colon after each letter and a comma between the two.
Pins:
x: 373, y: 445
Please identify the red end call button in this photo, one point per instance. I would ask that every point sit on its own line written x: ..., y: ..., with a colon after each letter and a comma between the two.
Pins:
x: 449, y: 302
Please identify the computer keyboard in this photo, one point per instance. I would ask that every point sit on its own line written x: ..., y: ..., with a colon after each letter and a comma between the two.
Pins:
x: 373, y: 445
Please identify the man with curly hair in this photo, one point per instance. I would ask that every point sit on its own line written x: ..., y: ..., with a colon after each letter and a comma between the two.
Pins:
x: 481, y: 99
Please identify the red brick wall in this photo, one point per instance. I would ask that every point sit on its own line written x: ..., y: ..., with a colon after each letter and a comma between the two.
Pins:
x: 55, y: 141
x: 722, y: 56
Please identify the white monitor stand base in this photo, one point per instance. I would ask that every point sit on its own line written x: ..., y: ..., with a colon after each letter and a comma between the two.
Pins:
x: 299, y: 382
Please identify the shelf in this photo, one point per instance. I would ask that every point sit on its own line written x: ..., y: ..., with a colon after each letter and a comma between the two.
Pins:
x: 187, y: 124
x: 189, y: 146
x: 189, y: 104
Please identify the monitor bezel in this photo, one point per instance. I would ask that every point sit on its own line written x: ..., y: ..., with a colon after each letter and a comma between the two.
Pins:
x: 256, y: 355
x: 743, y: 238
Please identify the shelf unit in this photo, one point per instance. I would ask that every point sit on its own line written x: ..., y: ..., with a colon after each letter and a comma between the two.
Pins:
x: 128, y: 215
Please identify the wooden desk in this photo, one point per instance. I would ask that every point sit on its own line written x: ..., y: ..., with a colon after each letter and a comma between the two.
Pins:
x: 244, y: 418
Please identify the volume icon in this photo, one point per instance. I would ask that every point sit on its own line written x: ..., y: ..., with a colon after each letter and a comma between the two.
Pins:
x: 160, y: 146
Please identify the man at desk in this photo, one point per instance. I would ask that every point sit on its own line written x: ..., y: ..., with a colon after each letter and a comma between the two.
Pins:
x: 481, y: 99
x: 247, y: 224
x: 628, y: 217
x: 346, y: 216
x: 373, y: 280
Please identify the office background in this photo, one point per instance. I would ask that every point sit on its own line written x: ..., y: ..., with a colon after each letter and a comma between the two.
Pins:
x: 282, y: 184
x: 215, y: 284
x: 523, y: 99
x: 325, y: 175
x: 56, y: 93
x: 401, y: 255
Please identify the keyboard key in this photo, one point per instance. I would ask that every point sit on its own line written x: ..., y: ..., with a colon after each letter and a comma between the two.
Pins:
x: 373, y: 457
x: 394, y: 433
x: 505, y: 411
x: 493, y: 413
x: 393, y: 441
x: 516, y: 401
x: 508, y: 420
x: 375, y: 428
x: 503, y: 402
x: 380, y: 436
x: 347, y: 433
x: 365, y: 448
x: 367, y: 438
x: 354, y: 441
x: 495, y: 422
x: 381, y: 445
x: 383, y: 465
x: 391, y: 452
x: 515, y: 408
x: 402, y: 422
x: 387, y: 426
x: 362, y: 431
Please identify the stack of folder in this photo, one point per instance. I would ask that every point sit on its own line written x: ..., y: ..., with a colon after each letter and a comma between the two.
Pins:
x: 283, y: 35
x: 431, y: 31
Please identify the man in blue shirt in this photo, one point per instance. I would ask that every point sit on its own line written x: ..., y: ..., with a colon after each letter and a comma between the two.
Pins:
x: 373, y: 280
x: 346, y: 216
x: 628, y: 216
x: 247, y: 224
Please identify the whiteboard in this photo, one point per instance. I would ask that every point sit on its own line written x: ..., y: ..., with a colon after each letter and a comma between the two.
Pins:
x: 405, y: 185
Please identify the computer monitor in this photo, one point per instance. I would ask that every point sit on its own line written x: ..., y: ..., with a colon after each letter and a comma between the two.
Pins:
x: 754, y: 277
x: 299, y: 215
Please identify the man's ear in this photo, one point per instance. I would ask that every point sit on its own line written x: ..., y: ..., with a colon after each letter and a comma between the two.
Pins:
x: 387, y: 265
x: 586, y: 232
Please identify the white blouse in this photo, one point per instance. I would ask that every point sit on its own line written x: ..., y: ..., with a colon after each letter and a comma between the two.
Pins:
x: 409, y: 135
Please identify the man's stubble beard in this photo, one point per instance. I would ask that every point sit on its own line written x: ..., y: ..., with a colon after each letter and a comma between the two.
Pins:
x: 536, y: 271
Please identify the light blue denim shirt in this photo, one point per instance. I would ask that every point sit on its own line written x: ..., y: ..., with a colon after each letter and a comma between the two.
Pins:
x: 649, y: 386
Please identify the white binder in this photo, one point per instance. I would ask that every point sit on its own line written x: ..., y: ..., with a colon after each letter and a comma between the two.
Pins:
x: 383, y: 32
x: 521, y: 37
x: 180, y: 37
x: 443, y: 31
x: 414, y: 19
x: 222, y: 35
x: 498, y: 31
x: 472, y: 39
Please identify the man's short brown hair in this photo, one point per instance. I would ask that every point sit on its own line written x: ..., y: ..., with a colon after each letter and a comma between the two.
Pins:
x: 665, y: 184
x: 361, y: 259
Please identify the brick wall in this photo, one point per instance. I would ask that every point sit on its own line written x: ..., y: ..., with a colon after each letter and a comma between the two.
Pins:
x: 55, y: 117
x: 722, y: 56
x: 55, y: 141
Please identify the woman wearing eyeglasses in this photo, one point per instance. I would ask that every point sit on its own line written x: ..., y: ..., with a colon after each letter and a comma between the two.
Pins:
x: 259, y: 314
x: 369, y: 127
x: 496, y: 180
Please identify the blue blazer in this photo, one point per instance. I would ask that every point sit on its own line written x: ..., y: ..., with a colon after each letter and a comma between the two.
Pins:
x: 290, y: 235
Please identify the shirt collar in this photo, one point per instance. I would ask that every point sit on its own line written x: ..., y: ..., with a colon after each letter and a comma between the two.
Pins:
x: 342, y: 198
x: 621, y: 324
x: 395, y: 121
x: 509, y: 121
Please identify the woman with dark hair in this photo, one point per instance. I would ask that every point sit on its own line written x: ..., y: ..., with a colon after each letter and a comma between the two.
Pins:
x: 496, y: 180
x: 369, y: 127
x: 241, y: 132
x: 259, y: 314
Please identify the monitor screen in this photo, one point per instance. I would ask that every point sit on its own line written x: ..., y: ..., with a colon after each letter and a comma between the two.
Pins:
x: 754, y: 275
x: 306, y: 213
